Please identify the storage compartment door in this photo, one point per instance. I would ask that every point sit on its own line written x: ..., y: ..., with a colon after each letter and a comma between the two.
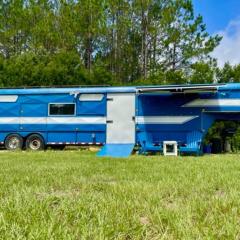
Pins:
x: 33, y: 117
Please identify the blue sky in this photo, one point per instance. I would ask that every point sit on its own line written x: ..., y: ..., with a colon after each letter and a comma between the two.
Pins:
x: 222, y: 17
x: 217, y: 13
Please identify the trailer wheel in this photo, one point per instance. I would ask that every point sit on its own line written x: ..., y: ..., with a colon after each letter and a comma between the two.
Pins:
x: 35, y: 143
x: 13, y: 142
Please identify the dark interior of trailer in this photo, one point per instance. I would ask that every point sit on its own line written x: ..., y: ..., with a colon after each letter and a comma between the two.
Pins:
x: 222, y: 137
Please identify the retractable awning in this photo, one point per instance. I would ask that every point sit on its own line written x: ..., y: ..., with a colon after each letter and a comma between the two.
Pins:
x: 180, y: 88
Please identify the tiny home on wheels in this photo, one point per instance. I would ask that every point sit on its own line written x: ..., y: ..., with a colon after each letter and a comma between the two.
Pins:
x: 167, y: 119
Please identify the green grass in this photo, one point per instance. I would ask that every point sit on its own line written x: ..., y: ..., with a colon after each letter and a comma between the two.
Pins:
x: 75, y: 195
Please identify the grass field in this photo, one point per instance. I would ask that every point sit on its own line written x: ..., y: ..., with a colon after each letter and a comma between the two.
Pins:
x: 75, y: 195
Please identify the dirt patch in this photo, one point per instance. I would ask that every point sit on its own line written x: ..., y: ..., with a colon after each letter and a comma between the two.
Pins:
x: 171, y: 205
x: 58, y: 194
x: 220, y: 194
x: 144, y: 220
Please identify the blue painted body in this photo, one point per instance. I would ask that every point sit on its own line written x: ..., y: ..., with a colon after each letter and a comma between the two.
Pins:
x: 189, y: 135
x: 116, y: 150
x: 33, y: 103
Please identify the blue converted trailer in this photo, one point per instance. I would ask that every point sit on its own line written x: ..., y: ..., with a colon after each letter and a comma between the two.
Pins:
x: 118, y: 118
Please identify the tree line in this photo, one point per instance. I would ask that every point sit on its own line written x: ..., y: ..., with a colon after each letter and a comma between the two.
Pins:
x: 110, y: 42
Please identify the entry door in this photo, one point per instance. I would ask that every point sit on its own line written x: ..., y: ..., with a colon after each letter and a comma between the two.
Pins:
x: 121, y: 118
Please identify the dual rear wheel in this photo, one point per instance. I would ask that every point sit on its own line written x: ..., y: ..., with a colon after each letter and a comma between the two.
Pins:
x: 33, y: 142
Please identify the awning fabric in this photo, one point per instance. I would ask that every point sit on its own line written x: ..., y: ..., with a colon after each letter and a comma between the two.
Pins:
x: 180, y: 89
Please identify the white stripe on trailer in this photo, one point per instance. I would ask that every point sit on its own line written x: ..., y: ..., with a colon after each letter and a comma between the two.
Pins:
x: 76, y: 120
x: 213, y: 103
x: 33, y: 120
x: 69, y: 143
x: 52, y: 120
x: 164, y: 119
x: 9, y: 120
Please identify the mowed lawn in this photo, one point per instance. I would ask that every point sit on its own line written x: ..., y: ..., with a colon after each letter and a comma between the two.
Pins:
x: 75, y: 195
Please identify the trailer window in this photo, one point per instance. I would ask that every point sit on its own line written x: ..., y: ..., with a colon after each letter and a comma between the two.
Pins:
x: 62, y: 109
x: 8, y: 98
x: 91, y: 97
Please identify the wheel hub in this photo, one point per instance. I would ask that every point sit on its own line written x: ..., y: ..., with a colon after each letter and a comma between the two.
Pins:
x: 35, y: 144
x: 14, y: 143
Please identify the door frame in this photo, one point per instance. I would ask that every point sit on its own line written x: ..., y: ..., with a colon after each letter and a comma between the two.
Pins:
x: 110, y: 97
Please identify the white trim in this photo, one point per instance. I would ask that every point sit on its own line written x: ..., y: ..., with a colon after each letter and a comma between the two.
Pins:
x: 213, y: 103
x: 52, y: 120
x: 164, y: 119
x: 76, y: 120
x: 94, y: 120
x: 91, y: 97
x: 8, y: 98
x: 9, y: 120
x: 175, y: 148
x: 32, y: 120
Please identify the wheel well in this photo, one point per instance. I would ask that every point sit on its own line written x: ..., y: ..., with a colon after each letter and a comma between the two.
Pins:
x: 31, y: 142
x: 30, y: 134
x: 13, y: 134
x: 26, y: 136
x: 13, y: 146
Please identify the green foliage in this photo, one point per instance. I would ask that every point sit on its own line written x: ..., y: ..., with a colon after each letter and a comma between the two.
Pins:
x: 236, y: 140
x: 228, y: 73
x: 203, y: 72
x: 218, y: 131
x: 102, y: 42
x: 35, y: 69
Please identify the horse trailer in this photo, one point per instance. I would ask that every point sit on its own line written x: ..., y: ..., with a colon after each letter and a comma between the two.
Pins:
x: 170, y: 119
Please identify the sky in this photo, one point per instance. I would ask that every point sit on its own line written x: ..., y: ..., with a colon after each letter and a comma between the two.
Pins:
x: 222, y: 17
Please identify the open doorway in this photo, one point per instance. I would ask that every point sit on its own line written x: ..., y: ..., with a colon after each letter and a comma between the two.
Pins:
x: 222, y: 137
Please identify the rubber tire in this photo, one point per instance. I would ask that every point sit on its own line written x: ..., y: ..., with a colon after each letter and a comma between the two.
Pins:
x: 8, y: 139
x: 35, y: 137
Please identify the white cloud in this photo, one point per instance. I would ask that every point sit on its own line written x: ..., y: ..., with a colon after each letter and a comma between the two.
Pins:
x: 229, y: 48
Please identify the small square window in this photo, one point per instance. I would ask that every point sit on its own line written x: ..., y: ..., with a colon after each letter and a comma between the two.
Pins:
x: 62, y: 109
x: 170, y: 148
